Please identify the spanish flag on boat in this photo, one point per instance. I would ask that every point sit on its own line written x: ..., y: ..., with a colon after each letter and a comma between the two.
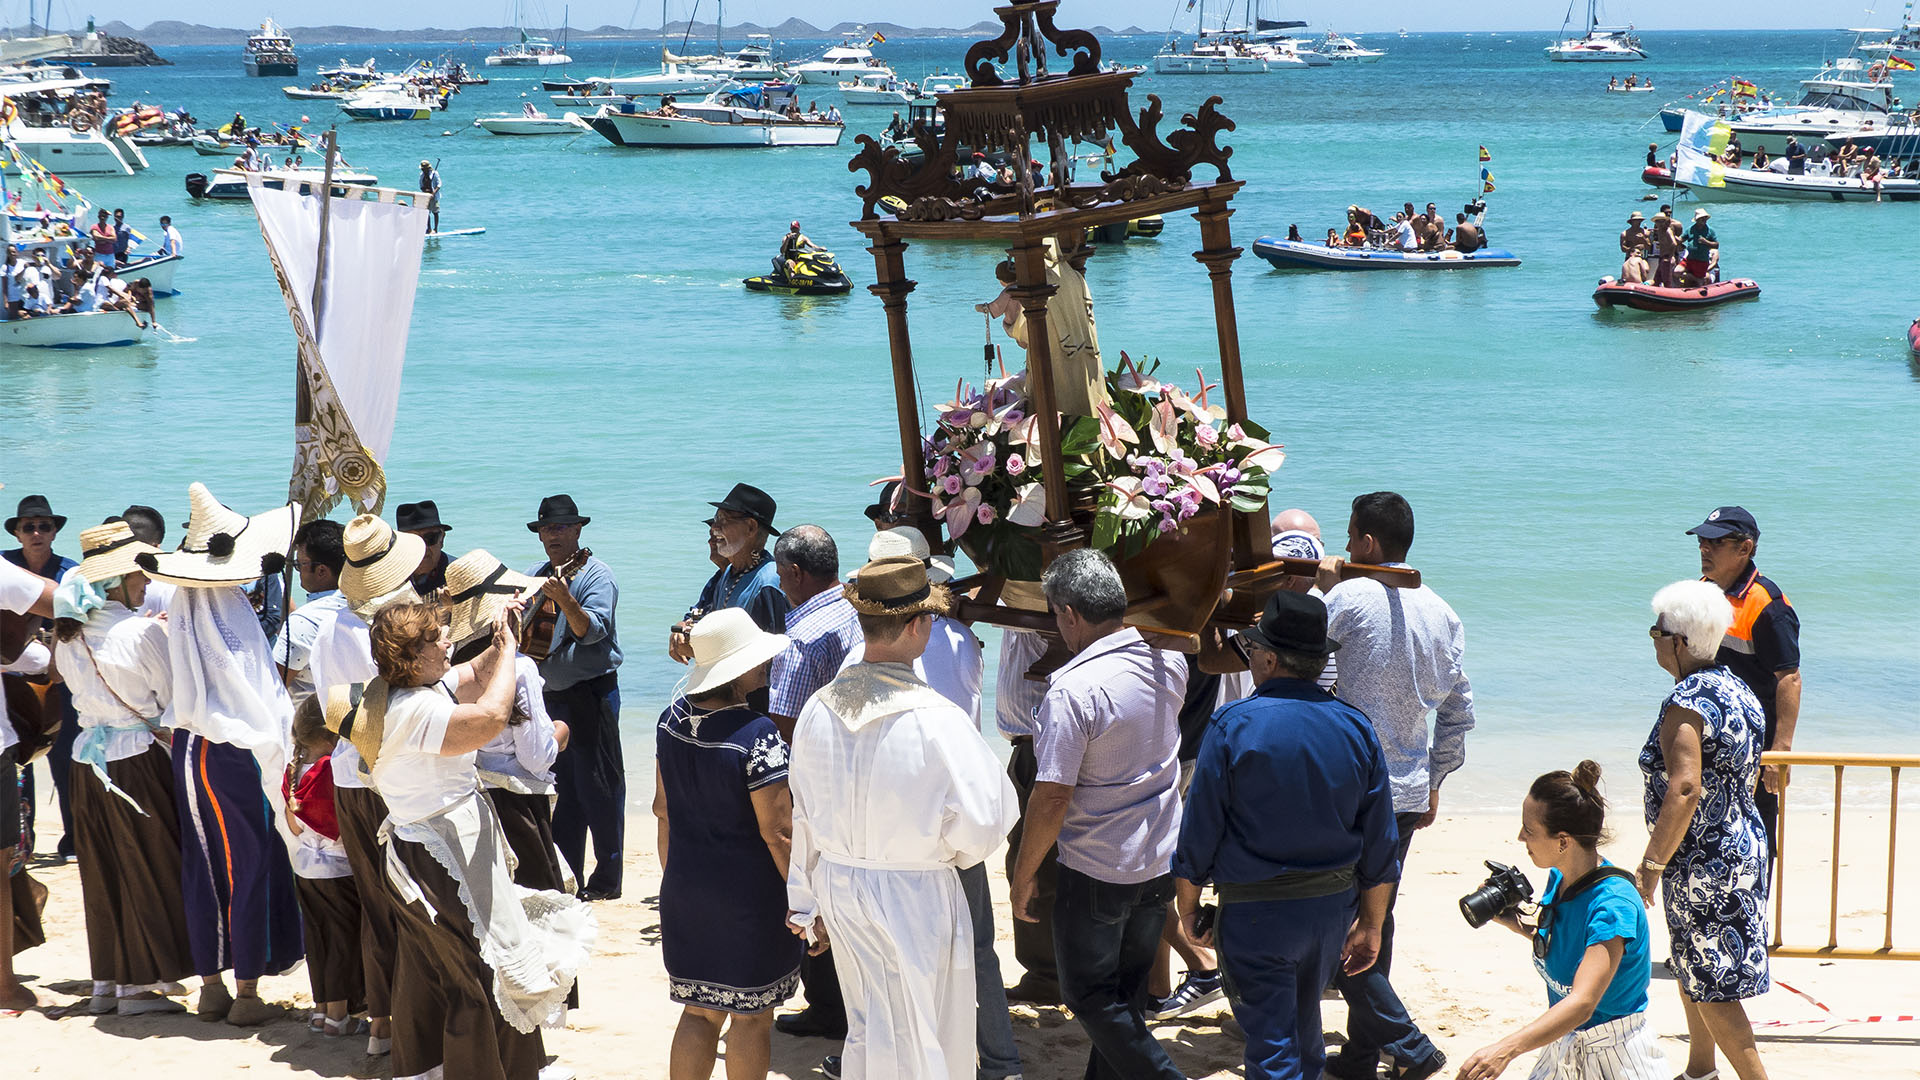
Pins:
x: 1484, y: 156
x: 1899, y: 63
x: 878, y: 38
x: 1743, y: 87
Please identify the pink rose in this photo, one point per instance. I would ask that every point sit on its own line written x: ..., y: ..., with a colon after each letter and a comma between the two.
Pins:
x: 985, y: 514
x: 950, y: 484
x: 1016, y: 464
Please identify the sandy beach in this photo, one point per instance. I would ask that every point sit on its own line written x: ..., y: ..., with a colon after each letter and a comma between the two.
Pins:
x: 1465, y: 987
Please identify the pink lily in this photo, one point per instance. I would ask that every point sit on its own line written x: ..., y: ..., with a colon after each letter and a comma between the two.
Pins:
x: 1115, y: 433
x: 960, y: 512
x: 1165, y: 428
x: 1131, y: 377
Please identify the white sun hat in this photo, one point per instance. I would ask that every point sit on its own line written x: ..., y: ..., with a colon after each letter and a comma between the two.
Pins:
x: 727, y: 645
x: 222, y: 546
x: 907, y: 540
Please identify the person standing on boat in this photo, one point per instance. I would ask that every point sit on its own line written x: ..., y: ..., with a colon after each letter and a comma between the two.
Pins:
x: 1666, y: 243
x: 1634, y: 241
x: 430, y: 183
x: 1703, y: 249
x: 105, y: 237
x: 1796, y: 156
x: 123, y: 237
x: 170, y: 242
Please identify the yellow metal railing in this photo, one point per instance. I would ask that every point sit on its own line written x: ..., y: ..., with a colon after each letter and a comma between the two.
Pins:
x: 1839, y: 763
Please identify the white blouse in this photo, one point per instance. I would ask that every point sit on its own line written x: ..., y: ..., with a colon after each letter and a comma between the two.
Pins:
x: 411, y: 774
x: 525, y: 751
x: 131, y: 655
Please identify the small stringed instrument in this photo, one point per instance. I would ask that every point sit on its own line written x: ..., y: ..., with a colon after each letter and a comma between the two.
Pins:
x: 539, y: 624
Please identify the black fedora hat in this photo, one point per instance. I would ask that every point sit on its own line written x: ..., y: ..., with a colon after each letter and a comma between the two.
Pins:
x: 750, y: 501
x: 1296, y: 622
x: 557, y: 510
x: 36, y: 506
x: 419, y: 517
x: 886, y: 505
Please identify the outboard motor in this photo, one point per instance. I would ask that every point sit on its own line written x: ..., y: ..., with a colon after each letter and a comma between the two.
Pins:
x: 196, y: 185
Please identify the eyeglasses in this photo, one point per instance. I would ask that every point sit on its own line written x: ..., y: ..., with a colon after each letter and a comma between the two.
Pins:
x: 1728, y: 540
x: 39, y: 527
x: 1656, y: 633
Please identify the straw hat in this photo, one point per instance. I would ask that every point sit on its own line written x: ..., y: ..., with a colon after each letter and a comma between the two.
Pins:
x: 357, y: 712
x: 907, y: 540
x: 379, y: 560
x: 1701, y: 215
x: 108, y: 551
x: 479, y: 587
x: 223, y: 546
x: 896, y: 585
x: 727, y: 645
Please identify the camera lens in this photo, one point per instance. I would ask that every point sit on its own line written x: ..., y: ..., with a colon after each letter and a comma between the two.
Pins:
x: 1481, y: 905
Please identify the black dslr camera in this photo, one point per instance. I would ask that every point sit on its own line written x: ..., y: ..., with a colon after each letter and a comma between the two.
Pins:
x: 1504, y: 890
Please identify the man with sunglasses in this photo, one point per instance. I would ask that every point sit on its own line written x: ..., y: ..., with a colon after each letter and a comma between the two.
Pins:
x: 35, y: 525
x: 1763, y: 645
x: 422, y: 519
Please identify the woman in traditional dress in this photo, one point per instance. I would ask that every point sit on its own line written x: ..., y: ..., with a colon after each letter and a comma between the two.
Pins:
x: 720, y: 794
x: 1708, y: 847
x: 126, y: 834
x: 482, y: 964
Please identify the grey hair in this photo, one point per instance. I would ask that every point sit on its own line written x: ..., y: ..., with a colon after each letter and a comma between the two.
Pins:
x: 1696, y: 610
x: 1300, y: 665
x: 810, y: 550
x: 1086, y: 581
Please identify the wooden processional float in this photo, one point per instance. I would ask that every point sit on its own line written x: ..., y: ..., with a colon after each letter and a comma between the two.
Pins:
x: 1216, y: 567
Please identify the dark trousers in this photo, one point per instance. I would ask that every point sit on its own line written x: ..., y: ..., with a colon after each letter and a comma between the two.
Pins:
x: 1032, y: 941
x: 242, y: 911
x: 59, y: 758
x: 590, y: 781
x: 821, y: 982
x: 1278, y: 956
x: 1105, y: 937
x: 1377, y: 1023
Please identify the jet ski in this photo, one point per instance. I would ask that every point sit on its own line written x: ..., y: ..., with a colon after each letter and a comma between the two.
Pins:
x: 810, y: 273
x: 1611, y: 293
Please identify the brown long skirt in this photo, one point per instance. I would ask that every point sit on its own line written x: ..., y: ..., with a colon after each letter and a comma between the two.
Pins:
x: 444, y: 1013
x: 361, y: 810
x: 527, y: 821
x: 130, y: 871
x: 330, y: 908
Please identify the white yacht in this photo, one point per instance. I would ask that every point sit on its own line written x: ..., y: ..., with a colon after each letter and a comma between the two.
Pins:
x: 878, y: 89
x: 752, y: 62
x: 48, y: 121
x: 1599, y: 45
x: 850, y: 59
x: 270, y: 52
x: 1905, y: 39
x: 742, y: 117
x: 529, y: 52
x: 1338, y: 47
x: 1846, y: 96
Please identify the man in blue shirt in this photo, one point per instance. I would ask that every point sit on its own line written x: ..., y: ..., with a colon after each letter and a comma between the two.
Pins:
x: 583, y: 691
x: 737, y: 536
x: 35, y: 525
x: 1290, y: 816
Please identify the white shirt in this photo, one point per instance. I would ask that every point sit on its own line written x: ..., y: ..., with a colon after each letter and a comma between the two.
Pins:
x: 20, y: 588
x: 131, y: 656
x: 170, y: 243
x: 412, y: 775
x: 525, y: 750
x: 341, y: 653
x: 952, y: 664
x: 293, y: 649
x: 1403, y: 235
x: 159, y: 595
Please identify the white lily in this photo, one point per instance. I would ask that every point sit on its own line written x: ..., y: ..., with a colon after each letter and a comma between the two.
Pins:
x: 1029, y: 505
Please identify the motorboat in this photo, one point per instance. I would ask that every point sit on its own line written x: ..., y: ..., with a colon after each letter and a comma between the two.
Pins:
x: 391, y: 104
x: 1657, y: 176
x: 270, y: 52
x: 809, y: 273
x: 1847, y: 95
x: 1311, y: 255
x: 1905, y: 39
x: 1341, y: 49
x: 1599, y: 45
x: 331, y: 93
x: 1216, y: 57
x: 529, y: 52
x: 752, y: 62
x: 76, y: 330
x: 850, y: 59
x: 226, y: 143
x: 156, y: 270
x: 1643, y: 297
x: 60, y: 124
x: 670, y: 79
x: 231, y: 184
x: 590, y: 101
x: 748, y: 116
x: 878, y: 89
x: 531, y: 121
x: 941, y: 82
x: 1709, y: 181
x: 1638, y: 88
x: 350, y: 74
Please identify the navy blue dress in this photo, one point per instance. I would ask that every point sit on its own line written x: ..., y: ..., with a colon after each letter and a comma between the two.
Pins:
x: 723, y: 903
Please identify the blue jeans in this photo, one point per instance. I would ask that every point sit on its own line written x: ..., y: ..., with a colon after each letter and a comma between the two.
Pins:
x: 1277, y: 957
x: 993, y: 1027
x: 590, y: 781
x: 1377, y: 1023
x: 1105, y: 937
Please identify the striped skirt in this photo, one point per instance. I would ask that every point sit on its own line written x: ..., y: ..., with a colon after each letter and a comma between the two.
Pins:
x: 242, y: 912
x: 1623, y: 1049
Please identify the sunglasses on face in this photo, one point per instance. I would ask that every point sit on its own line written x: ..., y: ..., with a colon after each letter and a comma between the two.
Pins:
x: 38, y: 527
x: 1656, y: 632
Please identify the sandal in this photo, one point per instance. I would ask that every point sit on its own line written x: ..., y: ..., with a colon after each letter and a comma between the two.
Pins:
x: 348, y: 1025
x: 1710, y: 1074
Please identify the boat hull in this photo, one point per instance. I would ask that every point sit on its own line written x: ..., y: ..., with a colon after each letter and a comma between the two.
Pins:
x: 1618, y: 294
x: 84, y: 330
x: 66, y: 152
x: 299, y: 94
x: 655, y: 85
x: 895, y: 98
x: 387, y: 112
x: 765, y: 283
x: 156, y: 271
x: 1305, y: 255
x: 1913, y: 338
x: 1166, y: 64
x: 545, y: 60
x: 231, y: 184
x: 272, y: 68
x: 570, y: 124
x: 673, y: 132
x: 1567, y: 52
x: 1746, y: 185
x: 1657, y: 176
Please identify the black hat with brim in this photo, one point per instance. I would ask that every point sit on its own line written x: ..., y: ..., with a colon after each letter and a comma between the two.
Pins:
x: 556, y: 510
x: 749, y: 501
x: 419, y: 517
x: 883, y: 506
x: 1727, y: 521
x: 1294, y: 622
x: 36, y: 506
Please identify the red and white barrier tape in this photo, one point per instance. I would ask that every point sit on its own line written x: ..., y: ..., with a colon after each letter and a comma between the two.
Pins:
x: 1830, y: 1020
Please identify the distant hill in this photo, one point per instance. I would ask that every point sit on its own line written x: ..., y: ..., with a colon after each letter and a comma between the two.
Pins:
x: 173, y: 32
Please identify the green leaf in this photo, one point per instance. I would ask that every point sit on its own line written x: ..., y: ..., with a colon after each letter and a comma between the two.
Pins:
x: 1080, y: 437
x: 1249, y: 504
x: 1106, y: 529
x: 1255, y: 430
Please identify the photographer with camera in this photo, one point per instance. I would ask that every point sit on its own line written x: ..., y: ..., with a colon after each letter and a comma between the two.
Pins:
x: 1589, y: 935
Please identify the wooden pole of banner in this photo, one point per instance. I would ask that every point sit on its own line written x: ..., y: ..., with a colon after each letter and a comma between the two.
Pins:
x: 302, y: 400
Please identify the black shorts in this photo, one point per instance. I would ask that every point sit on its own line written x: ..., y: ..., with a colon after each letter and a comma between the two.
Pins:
x: 9, y: 802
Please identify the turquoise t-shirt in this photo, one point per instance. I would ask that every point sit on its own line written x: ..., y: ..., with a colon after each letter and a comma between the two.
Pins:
x: 1611, y: 909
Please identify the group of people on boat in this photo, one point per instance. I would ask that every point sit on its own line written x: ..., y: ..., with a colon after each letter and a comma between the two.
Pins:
x: 77, y: 283
x: 1410, y: 230
x: 1663, y: 254
x: 1634, y: 82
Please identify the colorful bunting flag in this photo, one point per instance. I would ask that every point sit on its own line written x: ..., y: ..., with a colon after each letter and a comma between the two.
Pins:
x: 1484, y: 156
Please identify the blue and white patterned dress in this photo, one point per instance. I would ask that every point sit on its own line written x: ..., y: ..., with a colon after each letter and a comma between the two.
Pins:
x: 1715, y: 886
x: 723, y: 904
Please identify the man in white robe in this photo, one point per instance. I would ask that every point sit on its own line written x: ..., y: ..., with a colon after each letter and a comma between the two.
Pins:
x: 893, y: 791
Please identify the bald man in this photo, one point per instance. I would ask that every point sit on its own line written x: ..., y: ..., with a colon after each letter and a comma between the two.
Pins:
x: 1295, y: 520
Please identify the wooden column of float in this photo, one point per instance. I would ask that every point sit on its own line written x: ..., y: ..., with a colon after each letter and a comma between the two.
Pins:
x: 891, y: 285
x: 1217, y: 254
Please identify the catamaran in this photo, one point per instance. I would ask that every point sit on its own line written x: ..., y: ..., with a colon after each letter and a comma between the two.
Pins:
x: 1600, y: 44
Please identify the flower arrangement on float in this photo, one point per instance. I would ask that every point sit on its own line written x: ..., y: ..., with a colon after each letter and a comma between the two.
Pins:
x: 1150, y: 459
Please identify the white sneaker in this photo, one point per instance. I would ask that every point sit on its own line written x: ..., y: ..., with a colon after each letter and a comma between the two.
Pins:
x: 556, y: 1071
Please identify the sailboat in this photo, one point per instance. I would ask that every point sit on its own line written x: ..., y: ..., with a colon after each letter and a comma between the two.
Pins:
x: 1222, y: 52
x: 528, y: 51
x: 1600, y: 44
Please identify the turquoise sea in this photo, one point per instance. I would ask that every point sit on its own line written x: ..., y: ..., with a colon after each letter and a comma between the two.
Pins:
x: 596, y: 341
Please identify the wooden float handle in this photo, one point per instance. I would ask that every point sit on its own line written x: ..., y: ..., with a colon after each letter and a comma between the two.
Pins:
x: 1397, y: 577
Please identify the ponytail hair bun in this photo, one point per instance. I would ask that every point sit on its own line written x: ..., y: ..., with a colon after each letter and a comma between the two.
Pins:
x: 1571, y: 803
x: 1586, y: 776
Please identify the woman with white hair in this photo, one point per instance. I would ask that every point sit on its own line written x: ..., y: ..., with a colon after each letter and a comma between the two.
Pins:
x: 1708, y: 847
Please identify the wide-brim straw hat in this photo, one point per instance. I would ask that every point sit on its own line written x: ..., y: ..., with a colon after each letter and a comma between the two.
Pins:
x: 222, y: 546
x: 480, y: 587
x: 379, y: 559
x: 108, y: 551
x: 365, y: 609
x: 896, y: 585
x: 357, y: 712
x: 907, y: 540
x: 727, y: 645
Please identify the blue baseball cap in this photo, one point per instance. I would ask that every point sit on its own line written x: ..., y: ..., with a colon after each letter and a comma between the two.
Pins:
x: 1727, y: 521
